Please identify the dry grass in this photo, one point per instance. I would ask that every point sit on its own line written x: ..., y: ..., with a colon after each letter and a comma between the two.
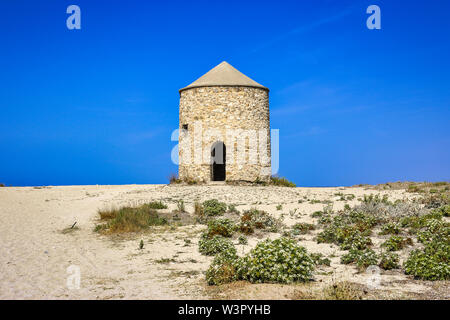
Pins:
x: 129, y: 219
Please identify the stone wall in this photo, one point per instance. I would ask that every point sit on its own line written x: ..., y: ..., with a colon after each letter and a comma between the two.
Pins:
x: 238, y: 116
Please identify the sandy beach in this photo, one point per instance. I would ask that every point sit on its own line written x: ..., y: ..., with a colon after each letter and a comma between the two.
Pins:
x: 36, y: 248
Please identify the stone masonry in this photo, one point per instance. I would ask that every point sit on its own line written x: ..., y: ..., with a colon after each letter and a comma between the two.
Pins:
x: 226, y: 106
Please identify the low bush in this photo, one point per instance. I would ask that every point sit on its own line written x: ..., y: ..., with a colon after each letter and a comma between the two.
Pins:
x: 444, y: 210
x: 362, y: 258
x: 433, y: 261
x: 173, y: 179
x: 156, y: 205
x: 280, y: 261
x: 343, y: 290
x: 222, y: 227
x: 214, y: 208
x: 396, y: 243
x: 347, y: 230
x: 232, y: 209
x: 223, y: 269
x: 273, y: 261
x: 390, y: 228
x: 212, y: 246
x: 257, y: 219
x: 242, y: 240
x: 317, y: 214
x: 389, y: 260
x: 129, y: 219
x: 283, y: 182
x: 435, y: 200
x: 319, y: 259
x: 302, y: 228
x: 356, y: 240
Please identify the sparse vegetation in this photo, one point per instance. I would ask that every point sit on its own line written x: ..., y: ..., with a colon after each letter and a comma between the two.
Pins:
x: 232, y: 209
x: 212, y: 246
x: 257, y: 219
x: 319, y: 259
x: 214, y: 208
x: 173, y: 179
x: 302, y: 228
x: 362, y: 258
x: 342, y: 290
x: 222, y: 227
x: 129, y: 219
x: 180, y: 206
x: 390, y: 228
x: 281, y: 182
x: 242, y: 240
x: 156, y: 205
x: 396, y: 243
x: 389, y: 260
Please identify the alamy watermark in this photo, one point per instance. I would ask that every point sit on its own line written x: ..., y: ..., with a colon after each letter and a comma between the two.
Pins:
x: 73, y: 280
x: 74, y: 20
x: 374, y: 20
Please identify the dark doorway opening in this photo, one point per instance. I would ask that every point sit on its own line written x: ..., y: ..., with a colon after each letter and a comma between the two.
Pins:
x: 218, y: 156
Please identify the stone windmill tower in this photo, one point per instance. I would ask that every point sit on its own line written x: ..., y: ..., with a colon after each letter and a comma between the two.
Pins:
x: 224, y: 128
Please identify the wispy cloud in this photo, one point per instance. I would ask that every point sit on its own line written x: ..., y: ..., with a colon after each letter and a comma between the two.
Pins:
x: 305, y: 28
x: 311, y: 131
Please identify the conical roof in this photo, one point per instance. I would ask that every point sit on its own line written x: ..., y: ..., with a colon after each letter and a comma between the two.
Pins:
x: 224, y: 74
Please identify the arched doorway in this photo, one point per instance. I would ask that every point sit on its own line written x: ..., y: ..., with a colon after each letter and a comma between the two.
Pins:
x: 218, y: 156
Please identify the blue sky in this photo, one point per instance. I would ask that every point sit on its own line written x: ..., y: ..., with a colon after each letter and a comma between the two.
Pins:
x: 98, y: 105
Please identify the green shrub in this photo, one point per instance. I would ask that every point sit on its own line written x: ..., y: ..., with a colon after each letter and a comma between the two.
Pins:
x: 302, y: 228
x: 356, y: 240
x: 444, y: 210
x: 232, y: 208
x: 389, y: 260
x: 317, y: 214
x: 415, y: 223
x: 258, y: 219
x: 222, y: 227
x: 395, y: 243
x: 212, y: 246
x: 435, y: 230
x: 347, y: 230
x: 320, y: 260
x: 223, y: 269
x: 279, y: 207
x: 242, y: 240
x: 280, y: 260
x: 362, y: 258
x: 283, y: 182
x: 390, y: 228
x: 436, y: 200
x: 432, y: 263
x: 156, y: 205
x: 214, y: 208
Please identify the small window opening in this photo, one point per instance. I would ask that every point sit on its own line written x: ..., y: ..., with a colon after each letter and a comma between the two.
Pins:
x: 185, y: 126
